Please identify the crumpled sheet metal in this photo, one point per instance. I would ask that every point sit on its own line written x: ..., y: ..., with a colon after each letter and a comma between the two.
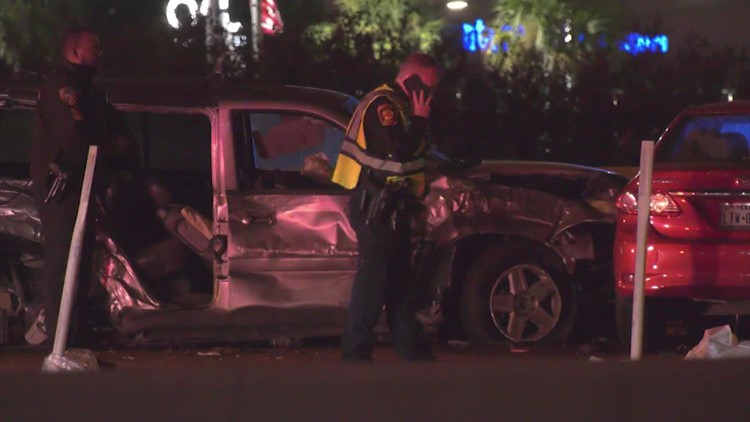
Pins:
x: 291, y: 225
x: 19, y: 216
x: 458, y: 207
x: 124, y: 290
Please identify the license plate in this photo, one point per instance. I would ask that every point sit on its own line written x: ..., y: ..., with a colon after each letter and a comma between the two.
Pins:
x: 735, y: 216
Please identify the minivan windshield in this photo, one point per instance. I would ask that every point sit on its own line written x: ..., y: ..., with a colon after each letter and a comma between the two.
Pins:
x: 701, y: 141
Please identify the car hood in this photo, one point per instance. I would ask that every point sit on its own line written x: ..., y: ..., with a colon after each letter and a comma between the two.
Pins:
x: 561, y: 171
x: 530, y: 199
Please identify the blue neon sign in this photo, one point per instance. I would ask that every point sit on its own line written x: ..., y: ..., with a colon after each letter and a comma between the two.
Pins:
x: 636, y: 43
x: 478, y: 37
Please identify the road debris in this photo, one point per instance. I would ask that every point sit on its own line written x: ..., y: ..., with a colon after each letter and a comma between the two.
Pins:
x: 458, y: 344
x: 719, y: 343
x: 72, y: 360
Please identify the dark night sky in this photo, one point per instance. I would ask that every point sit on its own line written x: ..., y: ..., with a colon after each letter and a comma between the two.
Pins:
x: 723, y: 22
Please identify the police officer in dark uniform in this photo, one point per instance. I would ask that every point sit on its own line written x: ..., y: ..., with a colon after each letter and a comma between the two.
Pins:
x: 381, y: 161
x: 72, y: 114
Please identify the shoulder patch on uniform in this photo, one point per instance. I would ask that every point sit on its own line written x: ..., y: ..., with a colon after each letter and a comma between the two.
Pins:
x: 387, y: 115
x: 68, y: 95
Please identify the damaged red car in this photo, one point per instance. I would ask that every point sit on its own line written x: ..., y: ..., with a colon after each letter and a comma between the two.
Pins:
x: 241, y: 236
x: 697, y: 261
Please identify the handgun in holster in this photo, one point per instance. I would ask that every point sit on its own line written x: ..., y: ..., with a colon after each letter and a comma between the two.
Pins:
x: 380, y: 202
x: 57, y: 180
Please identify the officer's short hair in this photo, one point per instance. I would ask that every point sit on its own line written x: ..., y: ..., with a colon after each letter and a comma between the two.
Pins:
x: 419, y: 61
x: 70, y: 38
x: 422, y: 60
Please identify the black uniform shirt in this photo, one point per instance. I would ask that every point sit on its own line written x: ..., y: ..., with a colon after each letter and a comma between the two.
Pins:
x: 71, y: 114
x: 387, y: 135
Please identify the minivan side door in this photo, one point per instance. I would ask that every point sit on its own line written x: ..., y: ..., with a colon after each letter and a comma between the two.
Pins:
x: 290, y: 243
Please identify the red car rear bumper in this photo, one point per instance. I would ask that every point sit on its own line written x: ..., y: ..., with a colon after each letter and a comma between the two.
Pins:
x: 685, y: 269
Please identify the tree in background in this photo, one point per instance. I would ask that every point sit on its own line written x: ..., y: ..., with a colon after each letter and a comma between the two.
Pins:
x: 560, y: 31
x: 136, y: 38
x: 29, y: 30
x: 565, y: 92
x: 367, y: 38
x: 543, y: 46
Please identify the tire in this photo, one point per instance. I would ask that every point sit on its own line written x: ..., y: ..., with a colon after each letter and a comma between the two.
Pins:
x: 654, y: 323
x: 540, y: 308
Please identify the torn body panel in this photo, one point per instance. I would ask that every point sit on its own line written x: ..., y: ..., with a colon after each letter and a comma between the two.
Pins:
x: 122, y: 284
x: 543, y: 203
x: 125, y: 292
x: 19, y: 217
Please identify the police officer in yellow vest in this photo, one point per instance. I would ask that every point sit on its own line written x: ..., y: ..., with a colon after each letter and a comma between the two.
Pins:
x: 381, y: 161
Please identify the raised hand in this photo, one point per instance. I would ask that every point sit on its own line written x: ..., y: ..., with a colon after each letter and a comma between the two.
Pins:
x: 421, y: 102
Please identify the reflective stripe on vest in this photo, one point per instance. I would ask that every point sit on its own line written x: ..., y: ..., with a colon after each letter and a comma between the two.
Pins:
x: 354, y: 149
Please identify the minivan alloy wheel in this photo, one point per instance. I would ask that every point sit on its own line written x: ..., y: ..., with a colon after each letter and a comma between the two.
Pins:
x: 517, y: 292
x: 525, y: 303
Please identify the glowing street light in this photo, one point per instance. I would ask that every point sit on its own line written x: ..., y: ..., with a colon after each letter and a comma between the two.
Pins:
x: 194, y: 8
x: 456, y: 5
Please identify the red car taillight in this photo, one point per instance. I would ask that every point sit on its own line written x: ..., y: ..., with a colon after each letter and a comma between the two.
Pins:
x: 662, y: 203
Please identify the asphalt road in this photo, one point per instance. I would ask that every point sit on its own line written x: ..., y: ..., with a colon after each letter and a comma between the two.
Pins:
x: 115, y: 358
x: 251, y: 382
x: 308, y: 382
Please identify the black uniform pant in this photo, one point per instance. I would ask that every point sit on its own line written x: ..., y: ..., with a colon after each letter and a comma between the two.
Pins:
x: 58, y: 220
x: 384, y: 277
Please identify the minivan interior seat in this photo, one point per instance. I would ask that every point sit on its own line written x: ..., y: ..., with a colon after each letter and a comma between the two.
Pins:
x: 183, y: 222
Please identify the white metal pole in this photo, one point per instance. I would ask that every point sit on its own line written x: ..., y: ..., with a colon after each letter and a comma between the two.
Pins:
x: 644, y: 208
x: 255, y: 32
x: 74, y: 257
x: 214, y: 40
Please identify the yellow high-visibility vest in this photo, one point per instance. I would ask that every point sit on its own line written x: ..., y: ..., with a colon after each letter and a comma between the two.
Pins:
x: 354, y: 156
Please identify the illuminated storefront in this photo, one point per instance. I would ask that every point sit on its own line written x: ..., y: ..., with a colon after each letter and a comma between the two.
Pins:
x: 478, y: 36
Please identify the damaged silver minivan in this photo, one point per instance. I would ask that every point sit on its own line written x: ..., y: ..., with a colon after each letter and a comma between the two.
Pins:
x: 239, y: 234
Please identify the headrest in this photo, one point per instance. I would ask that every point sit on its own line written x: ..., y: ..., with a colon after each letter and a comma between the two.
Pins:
x: 158, y: 193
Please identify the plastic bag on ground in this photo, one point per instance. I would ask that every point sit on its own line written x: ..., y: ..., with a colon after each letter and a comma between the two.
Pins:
x: 73, y: 360
x: 719, y: 343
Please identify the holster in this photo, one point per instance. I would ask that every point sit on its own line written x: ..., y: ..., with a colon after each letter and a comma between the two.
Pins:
x: 380, y: 201
x: 57, y: 183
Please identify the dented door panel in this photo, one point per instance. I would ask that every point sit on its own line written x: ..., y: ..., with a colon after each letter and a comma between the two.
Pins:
x: 290, y: 251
